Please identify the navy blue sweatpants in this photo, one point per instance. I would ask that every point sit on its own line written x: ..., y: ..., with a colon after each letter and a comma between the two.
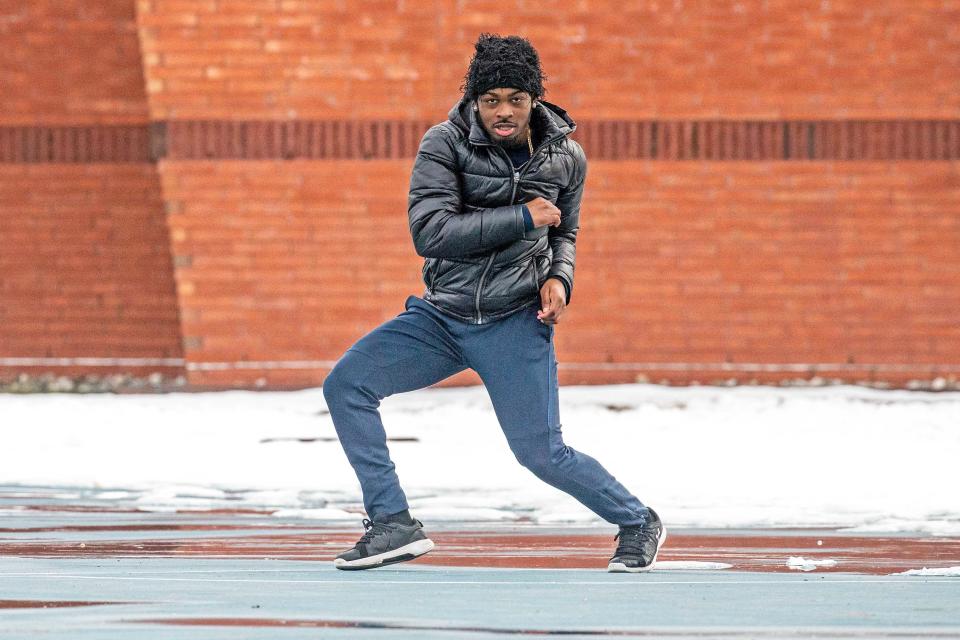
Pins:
x: 514, y: 358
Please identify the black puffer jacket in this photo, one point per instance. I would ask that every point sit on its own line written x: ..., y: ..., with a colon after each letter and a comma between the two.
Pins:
x: 466, y: 217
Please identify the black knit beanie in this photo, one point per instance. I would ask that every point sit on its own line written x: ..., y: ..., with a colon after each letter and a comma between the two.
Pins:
x: 509, y: 61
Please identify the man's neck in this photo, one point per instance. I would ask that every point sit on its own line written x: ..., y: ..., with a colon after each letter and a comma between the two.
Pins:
x: 513, y: 145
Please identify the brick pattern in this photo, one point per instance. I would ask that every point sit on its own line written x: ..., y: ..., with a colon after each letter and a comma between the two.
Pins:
x: 81, y: 144
x: 842, y: 140
x: 854, y: 264
x: 70, y: 62
x: 318, y: 140
x: 85, y: 267
x: 750, y: 59
x: 391, y: 139
x: 285, y: 261
x: 771, y: 82
x: 850, y: 272
x: 602, y: 140
x: 702, y: 266
x: 86, y: 279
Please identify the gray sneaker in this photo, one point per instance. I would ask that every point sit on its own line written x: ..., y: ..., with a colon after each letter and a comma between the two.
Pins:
x: 638, y: 548
x: 385, y: 543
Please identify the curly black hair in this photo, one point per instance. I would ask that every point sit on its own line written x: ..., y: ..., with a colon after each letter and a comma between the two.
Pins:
x: 509, y: 61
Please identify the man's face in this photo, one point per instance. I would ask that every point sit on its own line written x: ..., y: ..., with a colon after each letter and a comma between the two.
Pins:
x: 505, y: 114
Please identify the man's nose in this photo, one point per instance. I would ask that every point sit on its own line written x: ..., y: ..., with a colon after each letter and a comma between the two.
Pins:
x: 504, y: 111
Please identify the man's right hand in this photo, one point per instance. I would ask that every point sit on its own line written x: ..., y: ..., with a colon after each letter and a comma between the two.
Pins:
x: 543, y: 212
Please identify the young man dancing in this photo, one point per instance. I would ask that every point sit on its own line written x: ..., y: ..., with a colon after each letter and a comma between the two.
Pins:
x: 494, y: 209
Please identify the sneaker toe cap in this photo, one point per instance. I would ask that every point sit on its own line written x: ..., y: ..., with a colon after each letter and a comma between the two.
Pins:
x: 628, y: 561
x: 351, y: 555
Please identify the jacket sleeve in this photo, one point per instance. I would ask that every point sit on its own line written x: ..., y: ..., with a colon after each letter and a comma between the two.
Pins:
x: 563, y: 238
x: 438, y: 224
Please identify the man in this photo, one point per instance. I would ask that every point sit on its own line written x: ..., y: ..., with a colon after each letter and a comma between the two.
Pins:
x: 494, y: 209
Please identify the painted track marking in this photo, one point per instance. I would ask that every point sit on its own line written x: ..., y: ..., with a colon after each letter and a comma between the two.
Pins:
x: 614, y: 582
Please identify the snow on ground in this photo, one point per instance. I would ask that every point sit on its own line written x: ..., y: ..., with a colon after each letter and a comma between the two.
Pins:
x: 947, y: 572
x: 691, y: 565
x: 808, y: 564
x: 869, y: 460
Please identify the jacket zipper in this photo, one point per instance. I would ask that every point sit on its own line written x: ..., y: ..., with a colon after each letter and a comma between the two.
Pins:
x: 433, y: 273
x: 483, y: 276
x: 516, y: 181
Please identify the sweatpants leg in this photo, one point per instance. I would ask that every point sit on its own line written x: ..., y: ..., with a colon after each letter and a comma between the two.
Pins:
x: 412, y: 351
x: 517, y: 363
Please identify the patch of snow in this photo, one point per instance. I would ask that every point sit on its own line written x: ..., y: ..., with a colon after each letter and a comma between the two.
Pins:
x: 701, y: 456
x: 690, y: 565
x: 806, y: 564
x: 950, y: 572
x: 115, y: 495
x: 932, y: 526
x: 315, y: 514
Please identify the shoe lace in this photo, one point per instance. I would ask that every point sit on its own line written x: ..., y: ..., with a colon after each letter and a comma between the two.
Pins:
x: 372, y: 529
x: 632, y: 540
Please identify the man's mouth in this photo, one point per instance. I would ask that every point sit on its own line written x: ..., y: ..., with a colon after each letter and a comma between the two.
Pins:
x: 504, y: 128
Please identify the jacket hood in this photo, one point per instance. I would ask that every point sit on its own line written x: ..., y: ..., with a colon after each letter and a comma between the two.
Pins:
x: 550, y: 121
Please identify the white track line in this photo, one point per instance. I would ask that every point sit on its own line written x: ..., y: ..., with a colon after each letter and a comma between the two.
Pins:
x: 613, y: 582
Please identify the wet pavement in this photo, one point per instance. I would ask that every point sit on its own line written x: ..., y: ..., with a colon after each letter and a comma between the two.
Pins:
x: 78, y: 568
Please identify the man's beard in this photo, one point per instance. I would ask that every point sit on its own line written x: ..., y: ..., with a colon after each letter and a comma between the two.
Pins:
x: 514, y: 142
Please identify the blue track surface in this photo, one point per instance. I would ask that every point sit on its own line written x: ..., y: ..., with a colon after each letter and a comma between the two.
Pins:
x: 411, y: 601
x: 81, y: 569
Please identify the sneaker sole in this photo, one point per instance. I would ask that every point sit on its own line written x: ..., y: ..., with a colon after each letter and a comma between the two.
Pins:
x: 401, y: 554
x: 619, y: 567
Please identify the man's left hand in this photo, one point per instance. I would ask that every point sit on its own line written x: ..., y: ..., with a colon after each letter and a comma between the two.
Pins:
x: 553, y: 301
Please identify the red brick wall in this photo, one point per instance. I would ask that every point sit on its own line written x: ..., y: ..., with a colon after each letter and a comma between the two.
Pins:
x: 604, y: 58
x: 701, y: 270
x: 85, y: 268
x: 742, y: 271
x: 70, y: 62
x: 716, y: 268
x: 292, y: 266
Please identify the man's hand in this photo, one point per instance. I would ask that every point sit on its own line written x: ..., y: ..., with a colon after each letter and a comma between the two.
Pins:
x: 543, y: 212
x: 553, y: 301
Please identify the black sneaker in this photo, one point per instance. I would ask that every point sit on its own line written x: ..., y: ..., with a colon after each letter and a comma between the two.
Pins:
x: 385, y: 543
x: 638, y: 546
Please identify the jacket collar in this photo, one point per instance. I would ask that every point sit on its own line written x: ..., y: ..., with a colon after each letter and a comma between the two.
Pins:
x: 549, y: 121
